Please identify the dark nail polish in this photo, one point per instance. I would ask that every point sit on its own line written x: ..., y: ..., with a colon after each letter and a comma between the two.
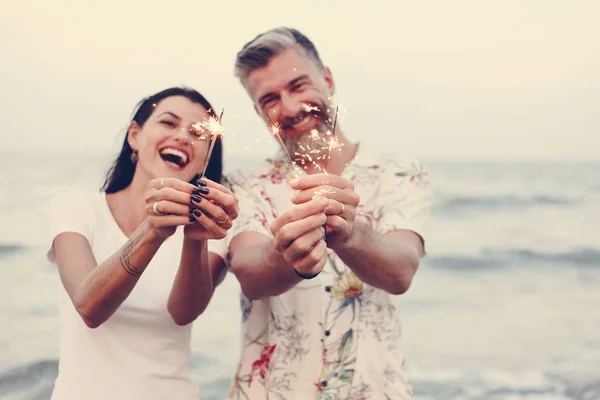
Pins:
x: 203, y: 190
x: 201, y: 182
x: 196, y: 198
x: 196, y: 192
x: 197, y: 213
x: 192, y: 219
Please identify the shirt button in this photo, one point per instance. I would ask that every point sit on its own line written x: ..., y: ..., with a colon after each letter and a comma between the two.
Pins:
x: 327, y: 333
x: 328, y: 288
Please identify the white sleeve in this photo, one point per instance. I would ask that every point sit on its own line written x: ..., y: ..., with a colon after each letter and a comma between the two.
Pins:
x: 219, y: 247
x: 68, y: 212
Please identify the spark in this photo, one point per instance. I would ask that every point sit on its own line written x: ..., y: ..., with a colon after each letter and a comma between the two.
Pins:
x: 215, y: 128
x: 320, y: 193
x: 309, y: 108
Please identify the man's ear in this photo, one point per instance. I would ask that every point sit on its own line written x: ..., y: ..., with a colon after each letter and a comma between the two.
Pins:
x: 328, y: 76
x: 132, y: 135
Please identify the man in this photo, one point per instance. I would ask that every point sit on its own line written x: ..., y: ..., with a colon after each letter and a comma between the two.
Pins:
x: 319, y: 258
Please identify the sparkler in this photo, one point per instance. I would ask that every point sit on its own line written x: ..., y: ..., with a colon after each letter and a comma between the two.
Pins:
x: 320, y: 193
x: 333, y: 142
x: 215, y: 128
x: 311, y: 155
x: 275, y: 129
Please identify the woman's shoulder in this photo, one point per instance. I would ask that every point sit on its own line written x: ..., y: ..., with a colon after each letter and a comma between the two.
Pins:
x: 75, y: 200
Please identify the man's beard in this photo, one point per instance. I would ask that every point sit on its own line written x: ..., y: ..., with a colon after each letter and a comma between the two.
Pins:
x: 308, y: 147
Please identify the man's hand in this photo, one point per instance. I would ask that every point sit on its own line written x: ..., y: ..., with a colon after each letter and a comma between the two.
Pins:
x: 300, y: 236
x: 342, y: 203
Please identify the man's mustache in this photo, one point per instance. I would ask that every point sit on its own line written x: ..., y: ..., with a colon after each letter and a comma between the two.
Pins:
x: 289, y: 122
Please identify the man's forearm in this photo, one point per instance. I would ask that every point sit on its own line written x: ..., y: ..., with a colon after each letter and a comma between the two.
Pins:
x: 387, y: 262
x: 193, y: 285
x: 262, y: 271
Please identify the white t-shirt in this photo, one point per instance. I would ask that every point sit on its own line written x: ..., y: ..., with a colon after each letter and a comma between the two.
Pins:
x: 139, y: 352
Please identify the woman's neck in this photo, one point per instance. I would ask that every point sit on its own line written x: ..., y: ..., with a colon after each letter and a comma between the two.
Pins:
x: 128, y: 206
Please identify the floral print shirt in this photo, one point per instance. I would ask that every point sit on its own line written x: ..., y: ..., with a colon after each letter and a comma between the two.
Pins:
x: 332, y: 337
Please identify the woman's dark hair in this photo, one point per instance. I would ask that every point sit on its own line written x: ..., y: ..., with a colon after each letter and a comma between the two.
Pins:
x: 121, y: 172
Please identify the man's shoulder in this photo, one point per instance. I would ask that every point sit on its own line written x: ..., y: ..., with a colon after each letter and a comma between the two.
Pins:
x: 251, y: 171
x: 391, y: 163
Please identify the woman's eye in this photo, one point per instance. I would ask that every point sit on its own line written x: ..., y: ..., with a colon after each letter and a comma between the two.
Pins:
x: 168, y: 123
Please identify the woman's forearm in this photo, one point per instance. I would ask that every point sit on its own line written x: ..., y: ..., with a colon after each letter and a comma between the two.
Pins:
x: 105, y: 288
x: 193, y: 286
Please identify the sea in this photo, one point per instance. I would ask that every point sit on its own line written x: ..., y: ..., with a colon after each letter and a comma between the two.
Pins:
x: 505, y: 306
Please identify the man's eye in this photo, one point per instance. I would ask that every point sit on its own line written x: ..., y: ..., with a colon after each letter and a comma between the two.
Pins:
x: 298, y: 86
x: 268, y: 103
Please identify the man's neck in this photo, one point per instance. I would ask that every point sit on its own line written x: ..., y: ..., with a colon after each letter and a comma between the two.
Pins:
x: 339, y: 158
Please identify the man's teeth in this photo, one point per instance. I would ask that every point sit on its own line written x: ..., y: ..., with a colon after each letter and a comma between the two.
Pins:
x: 182, y: 156
x: 299, y: 120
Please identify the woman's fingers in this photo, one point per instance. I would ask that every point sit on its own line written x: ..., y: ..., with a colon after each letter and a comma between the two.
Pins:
x: 166, y: 207
x: 225, y: 201
x: 162, y: 221
x: 214, y: 212
x: 217, y: 231
x: 173, y: 183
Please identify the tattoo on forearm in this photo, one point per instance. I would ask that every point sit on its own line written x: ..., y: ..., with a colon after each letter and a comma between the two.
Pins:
x: 126, y: 253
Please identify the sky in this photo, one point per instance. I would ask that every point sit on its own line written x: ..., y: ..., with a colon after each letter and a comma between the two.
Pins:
x: 517, y: 80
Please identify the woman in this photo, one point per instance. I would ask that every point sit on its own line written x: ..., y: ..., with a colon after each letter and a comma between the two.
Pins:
x: 133, y: 282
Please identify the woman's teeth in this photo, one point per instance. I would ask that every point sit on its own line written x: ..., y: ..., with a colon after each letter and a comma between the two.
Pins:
x: 175, y: 156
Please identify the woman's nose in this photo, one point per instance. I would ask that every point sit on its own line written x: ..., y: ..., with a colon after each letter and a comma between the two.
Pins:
x: 182, y: 134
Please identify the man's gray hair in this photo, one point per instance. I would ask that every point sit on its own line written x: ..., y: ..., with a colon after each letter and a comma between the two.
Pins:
x: 258, y: 52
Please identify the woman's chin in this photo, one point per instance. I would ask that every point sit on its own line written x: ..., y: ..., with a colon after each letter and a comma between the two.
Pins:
x: 184, y: 174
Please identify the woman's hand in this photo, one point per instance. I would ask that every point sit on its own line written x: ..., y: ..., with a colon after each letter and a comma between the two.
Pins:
x: 213, y: 209
x: 168, y: 205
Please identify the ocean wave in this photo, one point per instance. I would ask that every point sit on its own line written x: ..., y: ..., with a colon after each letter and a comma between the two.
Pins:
x: 6, y: 249
x: 35, y: 381
x: 472, y: 389
x: 31, y: 381
x: 465, y: 203
x: 587, y: 257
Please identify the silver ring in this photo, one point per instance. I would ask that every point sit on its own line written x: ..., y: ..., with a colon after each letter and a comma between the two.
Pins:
x: 224, y: 220
x: 342, y: 210
x: 155, y: 209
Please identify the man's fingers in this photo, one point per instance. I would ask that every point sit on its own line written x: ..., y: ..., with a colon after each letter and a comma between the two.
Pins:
x: 292, y: 231
x: 299, y: 212
x: 337, y: 226
x: 309, y: 181
x: 345, y: 211
x: 305, y: 243
x: 314, y: 261
x: 345, y: 196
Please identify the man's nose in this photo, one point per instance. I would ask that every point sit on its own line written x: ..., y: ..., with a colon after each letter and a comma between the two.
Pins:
x: 290, y: 107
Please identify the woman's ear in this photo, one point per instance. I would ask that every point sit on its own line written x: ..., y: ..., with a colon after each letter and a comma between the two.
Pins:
x: 132, y: 135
